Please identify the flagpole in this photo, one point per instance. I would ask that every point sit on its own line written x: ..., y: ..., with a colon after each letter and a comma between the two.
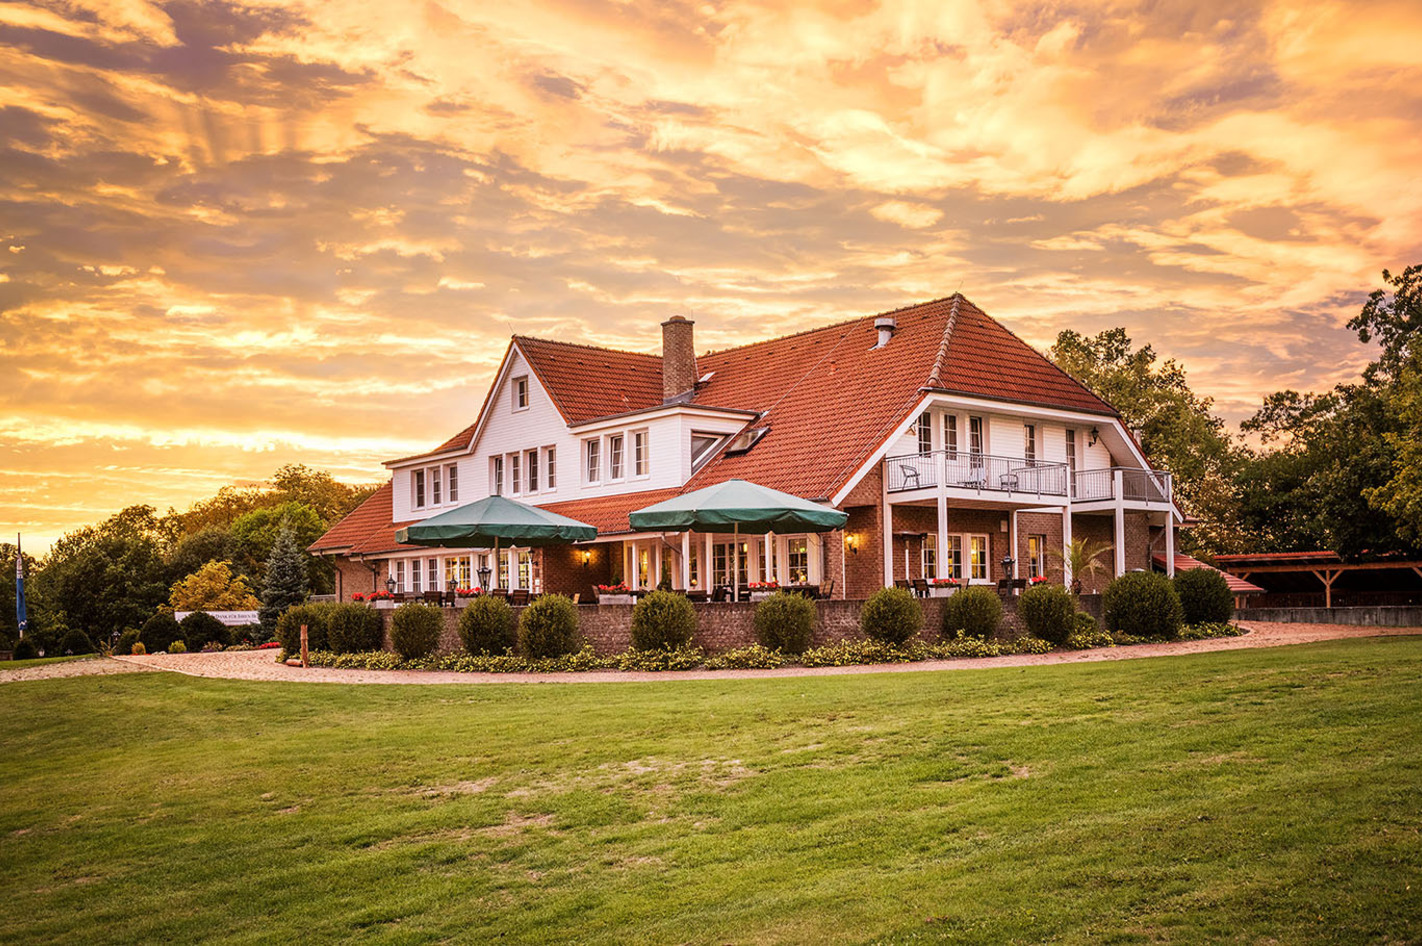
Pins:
x: 21, y: 616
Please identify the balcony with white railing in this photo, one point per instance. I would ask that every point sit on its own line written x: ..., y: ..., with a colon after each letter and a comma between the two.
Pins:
x: 1131, y: 485
x: 979, y: 472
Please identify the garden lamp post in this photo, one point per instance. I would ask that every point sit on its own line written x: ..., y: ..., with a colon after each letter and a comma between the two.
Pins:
x: 484, y: 572
x: 390, y: 584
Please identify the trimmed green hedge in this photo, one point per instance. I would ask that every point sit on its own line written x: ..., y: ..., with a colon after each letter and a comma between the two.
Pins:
x: 1204, y: 596
x: 314, y: 616
x: 1048, y: 611
x: 785, y: 622
x: 201, y: 629
x: 486, y: 626
x: 976, y: 611
x: 352, y: 628
x: 415, y: 630
x: 549, y: 627
x: 891, y: 616
x: 663, y: 620
x: 159, y: 631
x: 1143, y: 604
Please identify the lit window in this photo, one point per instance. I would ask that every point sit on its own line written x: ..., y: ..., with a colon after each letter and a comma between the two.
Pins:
x: 930, y: 556
x: 978, y: 549
x: 525, y: 570
x: 1036, y: 556
x: 452, y: 482
x: 593, y: 469
x: 533, y: 471
x: 614, y: 457
x: 953, y: 558
x: 520, y: 393
x: 550, y: 467
x: 419, y: 485
x: 639, y: 453
x: 798, y: 559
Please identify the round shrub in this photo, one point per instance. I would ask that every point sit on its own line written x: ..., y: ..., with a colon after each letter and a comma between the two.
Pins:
x: 486, y: 626
x: 549, y: 627
x: 415, y: 630
x: 891, y: 616
x: 159, y: 631
x: 177, y: 647
x: 1048, y: 611
x: 663, y: 620
x: 138, y: 649
x: 288, y: 627
x: 126, y: 640
x: 76, y: 642
x: 784, y: 622
x: 1204, y: 596
x: 1142, y: 604
x: 353, y: 629
x: 976, y: 612
x: 200, y: 629
x: 25, y: 650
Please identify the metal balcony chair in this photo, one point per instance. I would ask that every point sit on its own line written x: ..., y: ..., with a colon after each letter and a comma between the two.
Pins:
x: 910, y: 476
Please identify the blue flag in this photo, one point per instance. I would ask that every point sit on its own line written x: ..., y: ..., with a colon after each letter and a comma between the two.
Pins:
x: 21, y: 617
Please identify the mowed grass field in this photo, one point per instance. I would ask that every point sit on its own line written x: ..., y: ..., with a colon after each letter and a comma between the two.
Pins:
x: 1253, y: 796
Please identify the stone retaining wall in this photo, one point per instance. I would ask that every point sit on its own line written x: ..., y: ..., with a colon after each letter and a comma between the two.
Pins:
x: 1371, y: 617
x: 608, y: 627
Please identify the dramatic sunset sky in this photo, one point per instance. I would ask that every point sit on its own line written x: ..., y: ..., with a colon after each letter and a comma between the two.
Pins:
x: 235, y: 235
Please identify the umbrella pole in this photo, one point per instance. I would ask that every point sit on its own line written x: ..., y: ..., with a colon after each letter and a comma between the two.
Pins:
x: 736, y: 562
x: 495, y: 582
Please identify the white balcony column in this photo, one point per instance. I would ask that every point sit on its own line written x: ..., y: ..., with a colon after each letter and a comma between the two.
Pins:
x: 686, y: 561
x: 1066, y: 545
x: 888, y: 530
x: 1012, y: 537
x: 1170, y: 543
x: 1118, y: 491
x: 942, y: 551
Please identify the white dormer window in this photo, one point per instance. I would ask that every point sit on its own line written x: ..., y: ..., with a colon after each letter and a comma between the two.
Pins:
x: 451, y: 482
x: 703, y: 447
x: 520, y: 393
x: 640, y: 460
x: 614, y: 457
x: 533, y: 471
x: 1029, y: 444
x: 550, y: 467
x: 593, y: 467
x: 435, y: 486
x: 514, y: 475
x: 496, y: 476
x: 417, y: 488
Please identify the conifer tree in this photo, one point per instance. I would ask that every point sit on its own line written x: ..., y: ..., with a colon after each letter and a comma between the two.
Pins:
x: 286, y: 577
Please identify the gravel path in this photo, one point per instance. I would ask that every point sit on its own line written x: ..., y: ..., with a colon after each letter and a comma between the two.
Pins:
x: 261, y: 664
x: 98, y: 666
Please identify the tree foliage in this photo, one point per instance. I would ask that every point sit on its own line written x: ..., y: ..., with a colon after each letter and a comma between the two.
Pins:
x: 285, y: 584
x: 254, y: 535
x: 213, y: 587
x: 103, y: 579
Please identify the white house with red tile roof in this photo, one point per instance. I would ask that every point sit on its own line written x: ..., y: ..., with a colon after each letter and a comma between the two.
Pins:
x: 956, y: 449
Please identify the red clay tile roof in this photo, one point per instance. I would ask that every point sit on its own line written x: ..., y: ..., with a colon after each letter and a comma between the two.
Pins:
x: 609, y: 513
x: 586, y: 383
x: 459, y: 441
x: 1237, y: 585
x: 361, y: 523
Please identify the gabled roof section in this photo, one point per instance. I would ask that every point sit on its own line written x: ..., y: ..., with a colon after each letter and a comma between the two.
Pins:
x: 586, y: 383
x: 609, y: 513
x: 359, y: 524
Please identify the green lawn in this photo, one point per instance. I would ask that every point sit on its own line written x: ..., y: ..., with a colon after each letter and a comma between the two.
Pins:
x: 41, y: 661
x: 1253, y: 796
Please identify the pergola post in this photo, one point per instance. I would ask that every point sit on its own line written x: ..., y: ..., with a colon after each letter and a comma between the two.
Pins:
x: 1328, y: 576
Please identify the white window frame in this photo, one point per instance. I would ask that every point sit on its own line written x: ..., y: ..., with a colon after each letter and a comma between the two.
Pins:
x: 641, y: 454
x: 929, y: 554
x: 616, y: 457
x: 400, y: 575
x: 550, y: 469
x: 516, y: 474
x: 416, y: 583
x: 977, y: 436
x: 986, y: 576
x: 436, y: 481
x: 1029, y: 443
x: 451, y: 482
x: 496, y: 476
x: 520, y: 393
x: 950, y: 435
x: 531, y: 462
x: 432, y: 574
x: 1036, y: 558
x: 791, y: 568
x: 953, y: 559
x: 592, y: 461
x: 417, y: 489
x: 1071, y: 449
x: 923, y: 427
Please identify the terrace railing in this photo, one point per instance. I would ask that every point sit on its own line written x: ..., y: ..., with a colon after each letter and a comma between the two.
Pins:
x: 976, y: 471
x: 1135, y: 485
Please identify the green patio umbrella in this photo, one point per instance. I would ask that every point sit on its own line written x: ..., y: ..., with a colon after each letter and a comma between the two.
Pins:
x: 494, y: 519
x: 735, y: 505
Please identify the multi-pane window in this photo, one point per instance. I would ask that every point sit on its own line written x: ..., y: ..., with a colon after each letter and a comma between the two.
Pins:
x: 593, y: 468
x: 762, y: 547
x: 451, y: 573
x: 639, y: 453
x: 978, y: 557
x: 1036, y: 556
x: 504, y: 569
x: 950, y: 435
x: 415, y: 575
x: 497, y: 477
x: 525, y: 570
x: 550, y: 467
x: 925, y: 433
x: 432, y: 573
x: 520, y: 393
x: 400, y: 576
x: 975, y: 436
x: 644, y: 567
x: 515, y: 477
x: 614, y: 457
x: 1071, y: 449
x: 452, y: 482
x: 418, y: 479
x: 1029, y: 443
x: 953, y: 558
x: 533, y: 471
x: 721, y: 564
x: 930, y: 556
x: 694, y: 567
x: 797, y: 558
x: 435, y: 486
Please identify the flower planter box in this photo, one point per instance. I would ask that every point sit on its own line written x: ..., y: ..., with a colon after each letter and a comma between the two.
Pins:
x: 384, y: 605
x: 614, y: 599
x: 760, y: 595
x: 941, y: 592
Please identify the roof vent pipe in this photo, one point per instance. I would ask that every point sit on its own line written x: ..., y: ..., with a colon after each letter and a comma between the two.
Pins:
x: 886, y: 326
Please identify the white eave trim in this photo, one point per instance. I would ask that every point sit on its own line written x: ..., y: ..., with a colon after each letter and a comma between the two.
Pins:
x: 667, y: 410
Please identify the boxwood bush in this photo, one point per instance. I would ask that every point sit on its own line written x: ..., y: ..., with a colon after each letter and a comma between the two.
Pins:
x: 549, y: 627
x: 25, y: 649
x: 785, y: 622
x: 415, y: 630
x: 76, y: 642
x: 353, y: 628
x: 1048, y: 611
x: 126, y: 640
x: 200, y: 629
x: 1204, y: 596
x: 663, y: 620
x: 976, y: 611
x: 891, y: 616
x: 486, y: 626
x: 159, y: 631
x: 288, y: 628
x: 1142, y: 604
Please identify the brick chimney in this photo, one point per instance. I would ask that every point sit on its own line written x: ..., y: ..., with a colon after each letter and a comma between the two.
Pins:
x: 678, y: 358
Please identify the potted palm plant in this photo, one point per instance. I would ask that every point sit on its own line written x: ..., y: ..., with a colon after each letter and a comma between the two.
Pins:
x: 1083, y: 557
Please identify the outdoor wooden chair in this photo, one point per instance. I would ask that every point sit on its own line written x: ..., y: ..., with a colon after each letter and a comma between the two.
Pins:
x: 827, y: 589
x: 920, y: 587
x: 450, y: 597
x: 1004, y: 585
x: 435, y: 598
x: 721, y: 593
x: 697, y: 597
x: 519, y: 597
x: 902, y: 583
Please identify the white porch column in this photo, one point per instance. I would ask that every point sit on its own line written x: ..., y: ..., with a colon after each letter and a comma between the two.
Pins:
x: 941, y: 555
x: 632, y: 573
x: 706, y: 564
x: 769, y: 575
x: 1118, y: 492
x: 1012, y: 537
x: 657, y: 562
x: 1170, y: 543
x: 686, y: 561
x: 888, y: 530
x: 1066, y: 545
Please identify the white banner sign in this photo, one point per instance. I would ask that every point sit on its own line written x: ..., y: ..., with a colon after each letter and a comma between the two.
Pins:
x: 230, y: 618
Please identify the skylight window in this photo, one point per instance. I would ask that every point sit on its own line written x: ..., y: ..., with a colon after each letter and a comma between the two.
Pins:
x: 744, y: 440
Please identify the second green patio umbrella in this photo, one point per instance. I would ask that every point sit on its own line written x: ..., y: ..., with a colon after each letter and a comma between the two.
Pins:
x: 735, y: 505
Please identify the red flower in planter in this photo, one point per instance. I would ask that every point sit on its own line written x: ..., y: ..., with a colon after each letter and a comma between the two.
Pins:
x: 1039, y: 580
x: 943, y: 582
x: 764, y: 585
x: 618, y: 589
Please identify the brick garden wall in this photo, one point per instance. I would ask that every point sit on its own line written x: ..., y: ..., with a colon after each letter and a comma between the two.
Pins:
x: 724, y: 626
